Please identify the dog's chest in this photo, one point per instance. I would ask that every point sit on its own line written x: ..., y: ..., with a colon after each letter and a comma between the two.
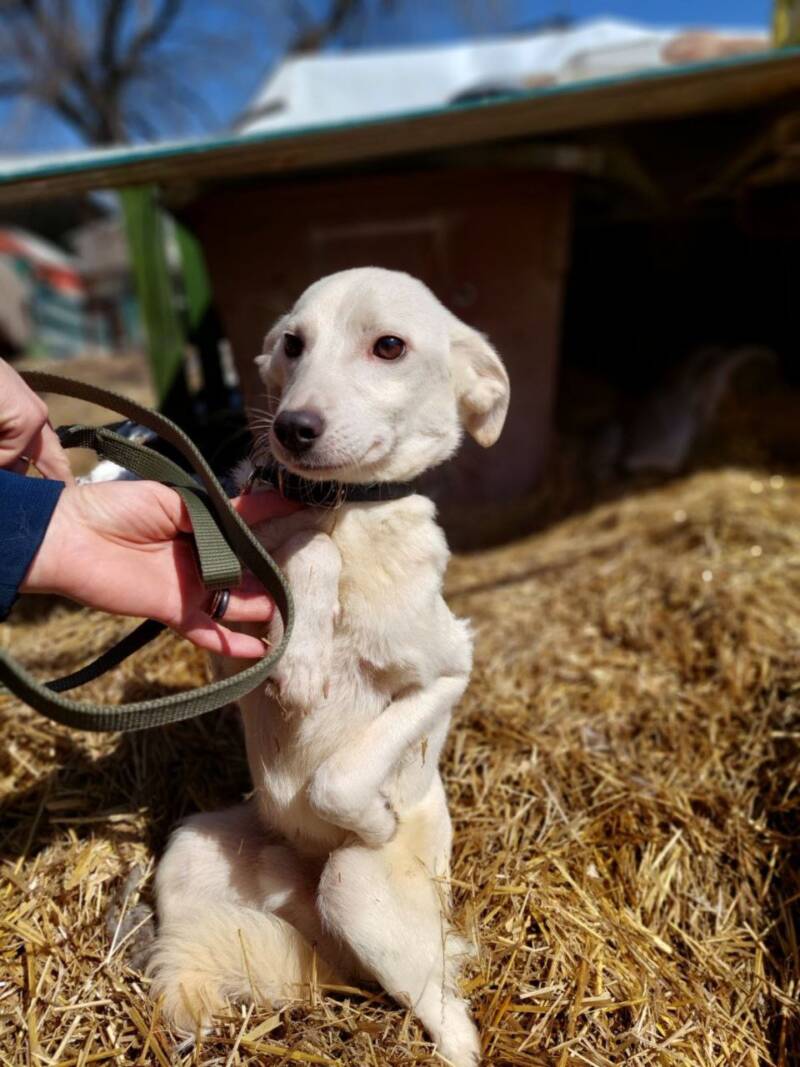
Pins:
x: 387, y: 596
x: 388, y: 591
x: 391, y: 558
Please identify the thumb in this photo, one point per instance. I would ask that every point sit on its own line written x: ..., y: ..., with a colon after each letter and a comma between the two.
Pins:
x: 45, y: 449
x: 258, y: 507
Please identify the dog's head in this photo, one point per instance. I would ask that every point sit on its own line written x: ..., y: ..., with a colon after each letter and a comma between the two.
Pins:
x: 376, y: 380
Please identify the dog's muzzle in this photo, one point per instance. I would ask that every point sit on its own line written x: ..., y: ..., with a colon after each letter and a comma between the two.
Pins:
x: 298, y: 431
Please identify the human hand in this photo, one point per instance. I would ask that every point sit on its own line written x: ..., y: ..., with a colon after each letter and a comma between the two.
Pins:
x: 26, y: 431
x: 120, y: 547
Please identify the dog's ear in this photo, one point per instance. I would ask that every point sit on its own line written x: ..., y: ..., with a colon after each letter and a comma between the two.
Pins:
x: 268, y: 366
x: 481, y: 383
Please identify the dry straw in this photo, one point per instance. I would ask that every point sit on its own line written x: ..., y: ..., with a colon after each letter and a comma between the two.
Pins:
x: 624, y: 781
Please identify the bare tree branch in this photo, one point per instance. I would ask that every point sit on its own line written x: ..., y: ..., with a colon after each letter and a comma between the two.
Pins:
x: 151, y: 34
x: 14, y: 87
x: 109, y: 33
x: 314, y: 34
x: 110, y: 70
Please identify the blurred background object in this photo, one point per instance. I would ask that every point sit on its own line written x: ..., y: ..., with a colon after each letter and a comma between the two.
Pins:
x: 46, y: 303
x: 15, y: 324
x: 786, y: 23
x: 317, y: 88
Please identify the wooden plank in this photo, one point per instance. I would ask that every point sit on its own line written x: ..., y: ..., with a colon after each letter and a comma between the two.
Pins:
x: 731, y: 85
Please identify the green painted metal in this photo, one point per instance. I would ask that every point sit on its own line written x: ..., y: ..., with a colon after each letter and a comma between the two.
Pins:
x: 144, y: 223
x: 196, y: 283
x: 786, y: 23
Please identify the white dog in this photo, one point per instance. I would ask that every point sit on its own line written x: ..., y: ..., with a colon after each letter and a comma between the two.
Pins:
x: 337, y: 867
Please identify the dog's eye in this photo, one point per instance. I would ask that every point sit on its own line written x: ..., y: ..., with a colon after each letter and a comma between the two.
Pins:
x: 389, y: 347
x: 292, y: 345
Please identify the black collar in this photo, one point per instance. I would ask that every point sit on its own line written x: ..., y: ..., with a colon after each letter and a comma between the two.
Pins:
x: 326, y: 494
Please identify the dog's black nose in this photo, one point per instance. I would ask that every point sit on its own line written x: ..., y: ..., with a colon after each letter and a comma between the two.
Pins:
x: 298, y: 430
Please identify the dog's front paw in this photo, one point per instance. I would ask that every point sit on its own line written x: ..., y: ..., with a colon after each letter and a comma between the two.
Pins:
x: 302, y: 677
x: 376, y: 823
x: 338, y: 800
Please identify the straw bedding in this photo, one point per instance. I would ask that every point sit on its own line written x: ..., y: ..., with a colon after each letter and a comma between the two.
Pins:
x: 624, y: 782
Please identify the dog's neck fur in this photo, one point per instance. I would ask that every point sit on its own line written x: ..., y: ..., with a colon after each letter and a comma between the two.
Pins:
x: 376, y: 516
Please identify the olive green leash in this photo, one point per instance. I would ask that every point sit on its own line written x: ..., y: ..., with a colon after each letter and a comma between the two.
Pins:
x: 224, y: 544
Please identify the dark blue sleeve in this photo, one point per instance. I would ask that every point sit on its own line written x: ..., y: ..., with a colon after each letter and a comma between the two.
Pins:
x: 26, y: 506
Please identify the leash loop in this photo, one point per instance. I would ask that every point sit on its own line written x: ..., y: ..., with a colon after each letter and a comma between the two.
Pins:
x: 224, y: 542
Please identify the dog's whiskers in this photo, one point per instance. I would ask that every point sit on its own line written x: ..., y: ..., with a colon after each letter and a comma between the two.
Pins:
x: 261, y: 420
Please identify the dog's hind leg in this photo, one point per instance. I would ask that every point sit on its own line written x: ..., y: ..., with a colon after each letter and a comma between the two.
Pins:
x: 388, y: 907
x: 231, y: 907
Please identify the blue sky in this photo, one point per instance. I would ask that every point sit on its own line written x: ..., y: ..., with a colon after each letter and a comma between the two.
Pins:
x: 242, y: 40
x: 685, y: 12
x: 436, y: 21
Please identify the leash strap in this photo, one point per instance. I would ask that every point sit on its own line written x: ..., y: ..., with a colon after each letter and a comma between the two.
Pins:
x: 222, y: 539
x: 143, y: 634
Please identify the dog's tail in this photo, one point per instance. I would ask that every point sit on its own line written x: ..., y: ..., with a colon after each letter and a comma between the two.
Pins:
x: 208, y: 955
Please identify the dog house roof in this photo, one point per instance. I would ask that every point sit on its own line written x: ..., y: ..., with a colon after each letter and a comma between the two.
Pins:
x: 328, y: 87
x: 738, y: 84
